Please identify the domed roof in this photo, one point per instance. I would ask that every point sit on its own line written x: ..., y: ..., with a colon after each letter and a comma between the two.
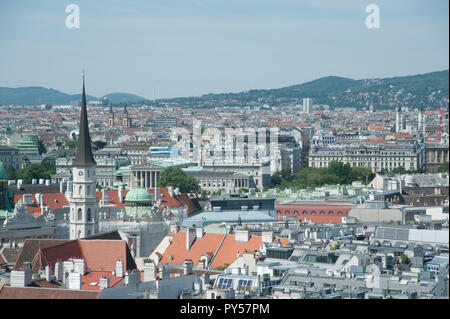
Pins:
x: 138, y: 194
x: 3, y: 172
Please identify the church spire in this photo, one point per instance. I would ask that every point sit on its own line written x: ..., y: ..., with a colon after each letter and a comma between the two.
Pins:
x: 84, y: 151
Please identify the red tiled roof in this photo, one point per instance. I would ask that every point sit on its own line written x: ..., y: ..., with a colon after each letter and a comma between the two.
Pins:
x: 177, y: 252
x: 53, y: 200
x: 99, y: 254
x: 230, y: 248
x: 94, y: 276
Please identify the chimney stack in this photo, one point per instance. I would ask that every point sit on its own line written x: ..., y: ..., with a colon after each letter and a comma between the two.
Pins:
x: 104, y: 283
x: 59, y: 271
x: 119, y: 268
x: 190, y: 237
x: 149, y: 271
x: 48, y: 271
x: 120, y: 194
x: 75, y: 281
x: 187, y: 267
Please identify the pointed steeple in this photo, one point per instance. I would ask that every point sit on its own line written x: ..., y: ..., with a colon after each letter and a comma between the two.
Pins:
x: 84, y: 151
x: 125, y: 109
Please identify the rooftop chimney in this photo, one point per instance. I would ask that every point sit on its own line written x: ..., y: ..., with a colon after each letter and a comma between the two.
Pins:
x: 187, y: 267
x: 21, y: 278
x: 163, y: 272
x: 149, y: 271
x: 119, y: 268
x: 75, y: 281
x: 241, y: 235
x: 48, y: 272
x: 104, y: 283
x: 199, y: 232
x: 59, y: 271
x: 267, y: 237
x: 27, y: 199
x: 120, y: 194
x: 190, y: 237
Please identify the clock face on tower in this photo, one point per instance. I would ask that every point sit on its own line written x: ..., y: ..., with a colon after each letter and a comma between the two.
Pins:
x: 80, y: 173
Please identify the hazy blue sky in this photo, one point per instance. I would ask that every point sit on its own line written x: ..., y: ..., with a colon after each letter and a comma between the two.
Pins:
x: 194, y: 47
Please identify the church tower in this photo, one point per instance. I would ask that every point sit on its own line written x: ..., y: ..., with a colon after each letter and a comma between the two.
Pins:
x: 420, y: 124
x: 110, y: 116
x: 83, y: 203
x: 126, y: 120
x: 398, y: 119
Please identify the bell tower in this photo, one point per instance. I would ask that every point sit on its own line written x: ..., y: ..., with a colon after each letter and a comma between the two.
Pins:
x: 126, y: 120
x: 83, y: 203
x: 110, y: 116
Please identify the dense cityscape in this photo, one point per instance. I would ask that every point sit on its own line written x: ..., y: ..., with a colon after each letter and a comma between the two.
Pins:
x: 254, y: 195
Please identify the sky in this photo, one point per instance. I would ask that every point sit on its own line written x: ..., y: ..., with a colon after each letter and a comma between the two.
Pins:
x: 174, y: 48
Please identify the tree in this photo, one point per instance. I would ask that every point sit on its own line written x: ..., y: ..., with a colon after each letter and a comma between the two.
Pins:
x: 37, y: 171
x: 399, y: 170
x: 71, y: 144
x: 443, y: 168
x: 275, y: 179
x: 11, y: 173
x: 41, y: 147
x: 175, y: 177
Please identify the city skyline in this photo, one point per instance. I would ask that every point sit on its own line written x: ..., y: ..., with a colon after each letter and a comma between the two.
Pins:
x: 192, y: 48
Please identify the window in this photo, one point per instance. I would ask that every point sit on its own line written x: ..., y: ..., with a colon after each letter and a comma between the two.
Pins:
x: 80, y: 214
x: 88, y: 189
x: 305, y: 212
x: 89, y: 214
x: 287, y: 212
x: 330, y: 213
x: 313, y: 212
x: 340, y: 213
x: 295, y: 213
x: 322, y: 213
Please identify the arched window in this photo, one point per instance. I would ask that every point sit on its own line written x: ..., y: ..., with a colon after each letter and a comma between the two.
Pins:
x: 330, y: 213
x: 79, y: 234
x: 80, y: 189
x: 89, y: 214
x: 313, y: 212
x: 80, y: 214
x: 88, y: 189
x: 339, y: 213
x: 295, y: 213
x: 322, y: 212
x: 305, y: 212
x: 287, y: 212
x: 278, y: 212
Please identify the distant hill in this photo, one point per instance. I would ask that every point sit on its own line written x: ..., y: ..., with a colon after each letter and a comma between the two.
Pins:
x: 123, y: 98
x: 431, y: 88
x: 36, y: 95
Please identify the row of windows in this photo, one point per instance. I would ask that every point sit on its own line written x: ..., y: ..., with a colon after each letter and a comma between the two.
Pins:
x: 322, y: 213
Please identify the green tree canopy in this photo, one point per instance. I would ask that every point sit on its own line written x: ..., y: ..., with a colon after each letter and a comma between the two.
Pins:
x: 443, y: 168
x: 175, y: 177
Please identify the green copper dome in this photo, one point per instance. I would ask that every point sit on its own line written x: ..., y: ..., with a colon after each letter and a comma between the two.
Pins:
x: 3, y: 172
x: 138, y: 194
